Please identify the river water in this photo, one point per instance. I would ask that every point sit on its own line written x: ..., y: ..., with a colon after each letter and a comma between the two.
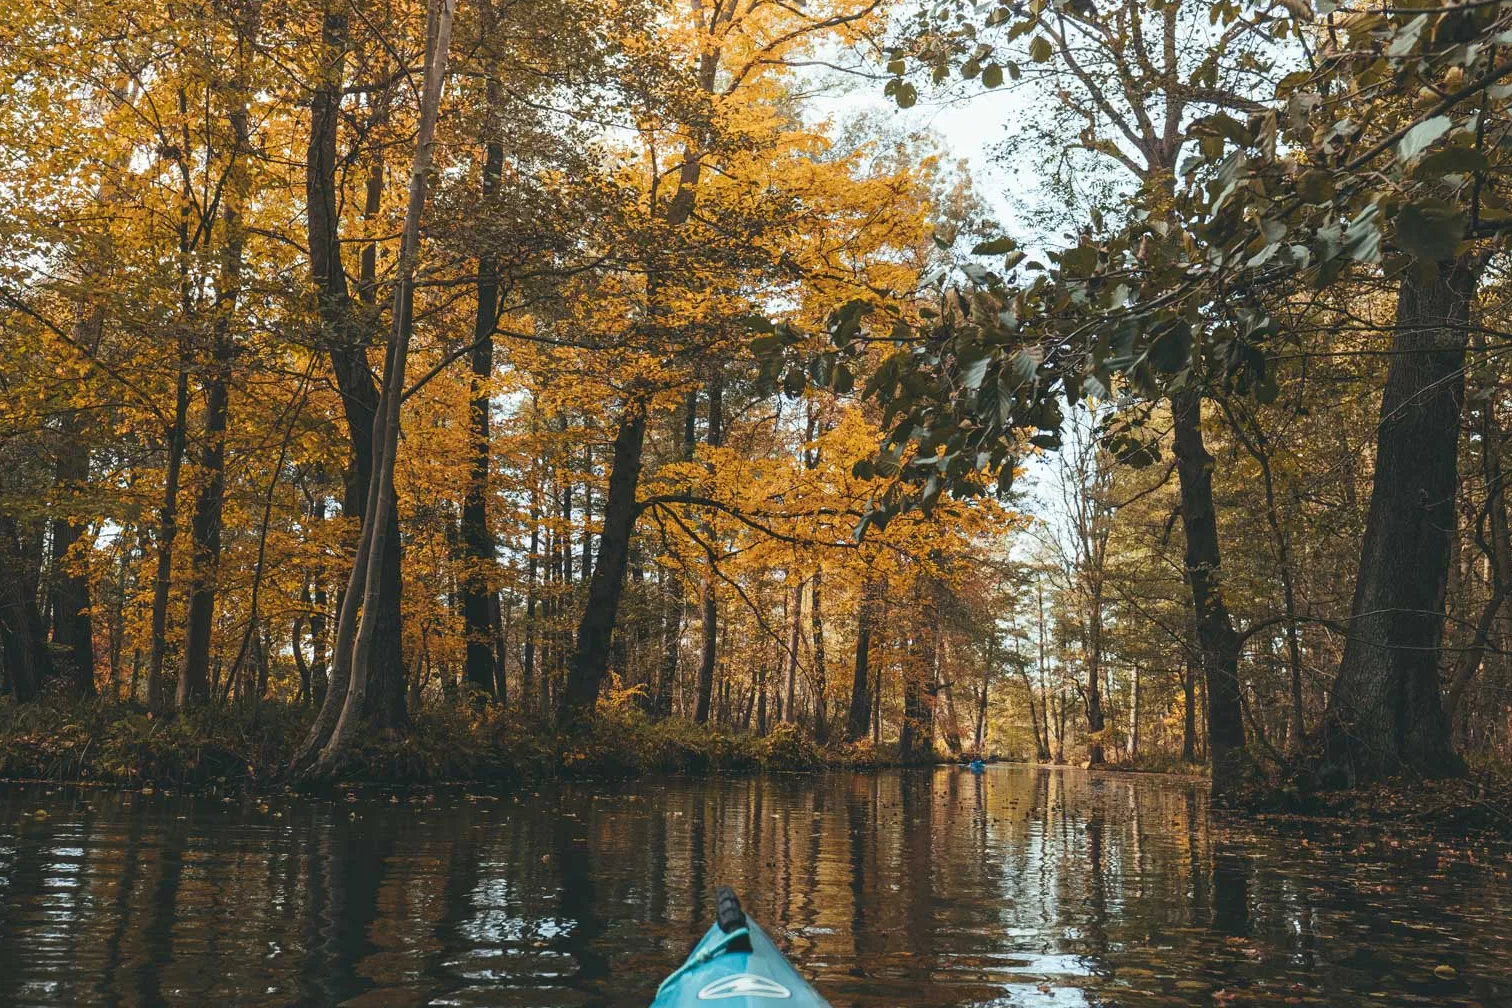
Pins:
x: 1018, y: 886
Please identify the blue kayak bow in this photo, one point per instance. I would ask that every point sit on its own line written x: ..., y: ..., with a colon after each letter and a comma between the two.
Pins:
x: 736, y: 965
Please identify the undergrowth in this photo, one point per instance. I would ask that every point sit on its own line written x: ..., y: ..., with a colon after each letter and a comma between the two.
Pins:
x: 246, y: 746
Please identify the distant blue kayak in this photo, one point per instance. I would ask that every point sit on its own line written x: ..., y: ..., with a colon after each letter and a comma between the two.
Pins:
x: 976, y: 766
x: 736, y: 965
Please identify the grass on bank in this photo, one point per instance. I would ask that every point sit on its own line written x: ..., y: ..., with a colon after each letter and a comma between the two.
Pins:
x: 121, y: 744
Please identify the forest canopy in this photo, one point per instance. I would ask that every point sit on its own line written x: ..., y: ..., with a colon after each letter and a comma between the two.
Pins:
x: 371, y: 360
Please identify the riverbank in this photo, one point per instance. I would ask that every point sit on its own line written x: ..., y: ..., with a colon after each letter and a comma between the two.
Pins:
x: 250, y: 747
x: 1478, y: 803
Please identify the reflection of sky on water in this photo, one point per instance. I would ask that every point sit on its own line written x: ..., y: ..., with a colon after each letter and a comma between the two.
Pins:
x: 1015, y: 887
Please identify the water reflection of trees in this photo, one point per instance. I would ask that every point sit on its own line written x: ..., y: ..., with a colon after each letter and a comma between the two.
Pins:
x: 934, y: 887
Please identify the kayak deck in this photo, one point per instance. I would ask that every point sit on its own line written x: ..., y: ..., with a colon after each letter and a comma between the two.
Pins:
x: 736, y: 965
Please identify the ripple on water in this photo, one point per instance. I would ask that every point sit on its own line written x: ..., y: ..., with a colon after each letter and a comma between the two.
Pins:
x: 937, y: 888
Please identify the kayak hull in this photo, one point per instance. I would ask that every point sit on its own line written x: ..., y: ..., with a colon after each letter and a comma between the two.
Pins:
x: 740, y: 969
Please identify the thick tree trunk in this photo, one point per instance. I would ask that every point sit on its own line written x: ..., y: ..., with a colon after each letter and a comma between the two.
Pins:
x: 590, y: 662
x: 1218, y: 643
x: 72, y: 629
x: 346, y: 337
x: 367, y: 660
x: 477, y: 543
x: 860, y: 698
x: 1386, y: 715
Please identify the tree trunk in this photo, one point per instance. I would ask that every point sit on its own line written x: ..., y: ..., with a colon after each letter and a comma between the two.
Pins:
x: 673, y: 605
x: 477, y: 543
x: 761, y: 698
x: 205, y: 528
x: 72, y: 629
x: 1217, y: 642
x: 369, y: 576
x: 1256, y: 447
x: 979, y: 733
x: 1039, y: 719
x: 346, y: 336
x: 1093, y: 692
x: 1385, y: 715
x: 22, y: 642
x: 157, y: 699
x: 1498, y: 551
x: 590, y: 662
x: 1189, y: 720
x: 710, y: 599
x: 194, y: 681
x: 917, y: 733
x: 709, y: 653
x: 860, y: 698
x: 788, y: 709
x: 821, y: 683
x: 532, y: 572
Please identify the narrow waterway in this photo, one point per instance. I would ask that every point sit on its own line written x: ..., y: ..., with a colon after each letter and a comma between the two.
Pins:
x: 1014, y: 887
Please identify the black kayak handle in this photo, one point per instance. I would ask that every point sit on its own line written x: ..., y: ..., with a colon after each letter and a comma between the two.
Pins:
x: 730, y: 915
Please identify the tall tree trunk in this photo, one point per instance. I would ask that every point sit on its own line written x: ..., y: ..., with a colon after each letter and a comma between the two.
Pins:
x: 72, y: 630
x: 821, y: 684
x: 23, y: 643
x: 760, y: 689
x: 1498, y: 551
x: 477, y: 543
x: 1039, y: 719
x: 532, y: 572
x: 590, y: 662
x: 1217, y: 642
x: 1385, y: 715
x: 205, y: 529
x: 1092, y: 693
x: 917, y: 733
x: 205, y: 526
x: 157, y: 698
x: 710, y: 599
x: 1189, y: 720
x: 979, y: 732
x: 1256, y: 447
x: 346, y: 335
x: 789, y: 709
x: 708, y: 655
x: 675, y: 605
x: 381, y: 527
x: 860, y: 698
